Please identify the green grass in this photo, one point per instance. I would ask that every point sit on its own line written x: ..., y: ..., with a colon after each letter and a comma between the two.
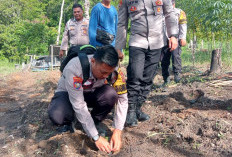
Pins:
x: 204, y: 58
x: 6, y: 67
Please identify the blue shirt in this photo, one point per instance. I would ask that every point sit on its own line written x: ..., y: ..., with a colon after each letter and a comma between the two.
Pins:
x: 104, y: 19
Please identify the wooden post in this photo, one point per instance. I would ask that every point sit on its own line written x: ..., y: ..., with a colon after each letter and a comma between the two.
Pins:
x: 51, y: 57
x: 216, y: 62
x: 54, y: 60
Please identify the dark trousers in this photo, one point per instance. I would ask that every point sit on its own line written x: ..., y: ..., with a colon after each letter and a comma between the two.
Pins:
x: 141, y: 72
x: 102, y: 100
x: 176, y: 60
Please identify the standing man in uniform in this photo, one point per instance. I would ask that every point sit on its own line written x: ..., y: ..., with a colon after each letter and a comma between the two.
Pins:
x: 176, y: 54
x: 146, y: 41
x: 75, y: 94
x: 76, y: 30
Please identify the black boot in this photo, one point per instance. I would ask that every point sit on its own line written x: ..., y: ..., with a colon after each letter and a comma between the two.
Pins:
x: 166, y: 82
x: 177, y: 77
x: 131, y: 118
x: 164, y: 86
x: 141, y: 115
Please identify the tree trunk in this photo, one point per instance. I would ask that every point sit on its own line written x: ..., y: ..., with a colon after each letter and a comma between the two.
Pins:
x: 61, y: 15
x: 213, y: 41
x: 87, y: 4
x: 202, y: 44
x: 193, y: 47
x: 195, y: 41
x: 193, y: 51
x: 216, y: 62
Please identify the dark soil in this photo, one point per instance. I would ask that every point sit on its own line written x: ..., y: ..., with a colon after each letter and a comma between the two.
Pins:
x: 191, y: 118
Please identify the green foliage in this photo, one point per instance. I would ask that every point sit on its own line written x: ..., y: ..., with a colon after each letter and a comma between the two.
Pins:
x: 207, y: 17
x: 30, y: 26
x: 24, y: 29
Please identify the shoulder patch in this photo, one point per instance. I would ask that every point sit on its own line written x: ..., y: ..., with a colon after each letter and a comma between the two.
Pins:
x: 120, y: 84
x: 77, y: 82
x: 183, y: 18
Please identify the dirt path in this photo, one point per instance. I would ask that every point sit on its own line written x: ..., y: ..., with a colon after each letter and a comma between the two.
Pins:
x: 193, y: 118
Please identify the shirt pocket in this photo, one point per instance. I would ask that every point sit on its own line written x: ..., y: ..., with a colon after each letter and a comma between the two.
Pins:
x: 72, y: 31
x: 84, y: 30
x: 157, y: 6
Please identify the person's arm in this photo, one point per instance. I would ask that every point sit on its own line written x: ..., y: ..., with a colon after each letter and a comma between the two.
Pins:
x: 120, y: 109
x: 116, y: 21
x: 119, y: 121
x: 122, y: 26
x: 64, y: 43
x: 182, y: 28
x: 120, y: 54
x: 93, y: 24
x: 171, y: 24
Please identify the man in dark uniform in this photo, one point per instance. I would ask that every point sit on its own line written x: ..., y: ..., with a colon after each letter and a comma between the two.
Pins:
x: 146, y: 41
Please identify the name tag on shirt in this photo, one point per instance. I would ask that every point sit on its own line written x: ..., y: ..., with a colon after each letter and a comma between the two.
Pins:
x: 88, y: 84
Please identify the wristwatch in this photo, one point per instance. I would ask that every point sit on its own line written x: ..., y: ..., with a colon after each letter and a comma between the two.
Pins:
x: 174, y: 35
x: 95, y: 138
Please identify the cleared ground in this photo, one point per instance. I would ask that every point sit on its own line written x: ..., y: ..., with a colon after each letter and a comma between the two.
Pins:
x: 192, y: 118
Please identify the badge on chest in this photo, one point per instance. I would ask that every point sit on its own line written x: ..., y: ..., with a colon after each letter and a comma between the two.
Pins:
x: 88, y: 84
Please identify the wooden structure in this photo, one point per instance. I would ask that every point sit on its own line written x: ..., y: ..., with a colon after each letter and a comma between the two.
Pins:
x: 54, y: 51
